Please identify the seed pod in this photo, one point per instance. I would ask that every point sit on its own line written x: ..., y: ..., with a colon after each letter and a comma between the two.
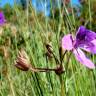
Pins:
x: 49, y: 48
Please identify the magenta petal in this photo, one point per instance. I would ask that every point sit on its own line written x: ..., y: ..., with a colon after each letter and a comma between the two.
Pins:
x: 67, y: 42
x: 90, y: 35
x: 85, y: 34
x: 80, y: 56
x: 91, y: 47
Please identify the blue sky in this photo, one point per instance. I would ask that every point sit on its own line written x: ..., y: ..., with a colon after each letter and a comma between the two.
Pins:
x: 42, y: 8
x: 2, y: 2
x: 75, y: 1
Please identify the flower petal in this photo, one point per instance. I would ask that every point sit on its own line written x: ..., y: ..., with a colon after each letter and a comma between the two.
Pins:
x: 67, y: 42
x: 81, y: 33
x: 91, y: 47
x: 80, y: 56
x: 85, y: 34
x: 90, y: 35
x: 85, y: 38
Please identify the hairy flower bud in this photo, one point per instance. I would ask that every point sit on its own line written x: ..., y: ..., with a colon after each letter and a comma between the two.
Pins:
x: 22, y: 61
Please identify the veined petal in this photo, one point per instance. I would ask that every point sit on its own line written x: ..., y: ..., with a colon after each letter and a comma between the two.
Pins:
x: 67, y: 42
x: 80, y: 56
x: 81, y: 33
x: 90, y: 35
x: 84, y: 34
x: 91, y: 47
x: 85, y: 39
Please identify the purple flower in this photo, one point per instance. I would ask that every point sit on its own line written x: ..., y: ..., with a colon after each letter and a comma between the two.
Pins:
x: 85, y: 39
x: 2, y: 19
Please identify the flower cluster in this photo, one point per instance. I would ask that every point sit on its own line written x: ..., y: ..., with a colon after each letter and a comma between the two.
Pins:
x: 2, y: 18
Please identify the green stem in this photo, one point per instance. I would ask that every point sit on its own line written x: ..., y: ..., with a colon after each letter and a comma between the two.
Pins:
x: 63, y: 87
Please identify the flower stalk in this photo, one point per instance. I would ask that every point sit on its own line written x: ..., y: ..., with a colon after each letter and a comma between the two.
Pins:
x: 23, y: 63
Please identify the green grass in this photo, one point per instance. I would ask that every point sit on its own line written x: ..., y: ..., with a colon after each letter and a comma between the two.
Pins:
x: 32, y: 34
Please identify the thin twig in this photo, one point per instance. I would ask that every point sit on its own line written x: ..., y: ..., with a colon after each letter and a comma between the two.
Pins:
x: 63, y: 56
x: 41, y: 69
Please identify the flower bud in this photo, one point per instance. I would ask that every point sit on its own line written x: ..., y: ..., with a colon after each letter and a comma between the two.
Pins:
x: 49, y: 48
x: 22, y: 61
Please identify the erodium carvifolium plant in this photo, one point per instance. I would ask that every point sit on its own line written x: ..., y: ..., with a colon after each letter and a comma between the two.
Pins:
x: 86, y: 40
